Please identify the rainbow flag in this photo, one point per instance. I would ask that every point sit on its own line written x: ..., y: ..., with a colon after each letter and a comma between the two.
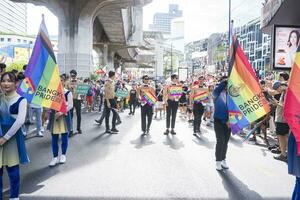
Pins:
x: 150, y: 98
x: 201, y: 97
x: 292, y: 100
x: 176, y: 91
x: 42, y: 84
x: 244, y: 92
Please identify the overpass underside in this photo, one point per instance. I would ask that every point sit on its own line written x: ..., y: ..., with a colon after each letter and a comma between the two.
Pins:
x: 113, y: 28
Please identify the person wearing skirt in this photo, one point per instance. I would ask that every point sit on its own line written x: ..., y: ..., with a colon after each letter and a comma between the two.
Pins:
x: 60, y: 125
x: 294, y: 165
x: 12, y: 142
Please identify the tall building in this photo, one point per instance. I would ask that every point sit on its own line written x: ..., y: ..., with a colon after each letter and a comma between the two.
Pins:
x: 162, y: 21
x: 177, y: 34
x: 13, y: 17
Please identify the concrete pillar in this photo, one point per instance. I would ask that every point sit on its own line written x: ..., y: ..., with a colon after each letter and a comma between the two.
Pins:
x: 105, y: 55
x: 110, y: 64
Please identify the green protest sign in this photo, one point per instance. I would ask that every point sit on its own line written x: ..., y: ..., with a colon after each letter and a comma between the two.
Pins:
x: 122, y: 93
x: 82, y: 89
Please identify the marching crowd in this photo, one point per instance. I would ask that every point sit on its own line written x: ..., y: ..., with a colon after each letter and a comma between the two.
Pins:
x: 202, y: 100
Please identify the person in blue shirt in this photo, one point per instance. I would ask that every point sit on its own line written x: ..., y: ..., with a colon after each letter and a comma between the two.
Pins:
x: 222, y: 130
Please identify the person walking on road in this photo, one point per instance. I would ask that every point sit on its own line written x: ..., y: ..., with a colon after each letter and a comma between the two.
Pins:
x: 172, y: 94
x: 110, y: 103
x: 59, y: 125
x: 133, y: 98
x: 146, y: 108
x: 12, y: 142
x: 222, y: 130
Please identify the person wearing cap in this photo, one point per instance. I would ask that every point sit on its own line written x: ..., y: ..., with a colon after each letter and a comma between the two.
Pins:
x: 110, y: 103
x: 77, y: 101
x: 172, y: 102
x: 197, y: 106
x: 146, y: 109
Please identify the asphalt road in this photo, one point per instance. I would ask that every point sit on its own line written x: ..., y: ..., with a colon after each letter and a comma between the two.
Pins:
x: 128, y: 166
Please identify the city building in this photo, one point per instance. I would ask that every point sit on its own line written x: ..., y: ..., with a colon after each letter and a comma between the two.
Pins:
x: 196, y: 54
x: 177, y: 34
x: 13, y: 17
x: 256, y: 45
x: 162, y: 21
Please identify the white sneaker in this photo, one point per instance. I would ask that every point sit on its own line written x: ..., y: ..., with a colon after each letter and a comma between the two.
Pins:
x: 53, y: 162
x: 62, y: 159
x: 40, y: 134
x: 13, y: 198
x: 42, y: 129
x: 224, y: 164
x: 219, y: 166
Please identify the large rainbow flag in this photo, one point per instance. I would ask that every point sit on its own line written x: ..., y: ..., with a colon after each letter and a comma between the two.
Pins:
x: 176, y: 91
x: 149, y: 97
x: 42, y: 84
x: 246, y: 101
x: 292, y: 100
x: 201, y: 97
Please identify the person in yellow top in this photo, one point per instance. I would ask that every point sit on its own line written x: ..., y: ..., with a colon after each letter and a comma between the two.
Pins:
x: 59, y: 124
x: 172, y: 94
x: 146, y: 108
x: 197, y: 104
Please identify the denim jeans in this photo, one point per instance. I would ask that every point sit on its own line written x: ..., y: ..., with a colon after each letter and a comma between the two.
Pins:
x: 38, y: 116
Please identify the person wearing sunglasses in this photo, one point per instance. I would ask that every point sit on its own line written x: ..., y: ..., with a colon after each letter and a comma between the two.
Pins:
x: 172, y: 94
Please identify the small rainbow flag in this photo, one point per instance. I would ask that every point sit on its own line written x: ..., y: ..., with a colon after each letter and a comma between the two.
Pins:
x: 292, y: 100
x: 150, y: 98
x: 42, y: 84
x: 176, y: 91
x: 244, y: 92
x: 201, y: 97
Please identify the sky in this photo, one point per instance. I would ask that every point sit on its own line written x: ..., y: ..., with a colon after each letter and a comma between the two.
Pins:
x: 202, y: 17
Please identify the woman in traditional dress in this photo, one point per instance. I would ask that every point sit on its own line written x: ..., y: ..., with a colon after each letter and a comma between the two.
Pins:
x: 12, y: 142
x: 60, y: 124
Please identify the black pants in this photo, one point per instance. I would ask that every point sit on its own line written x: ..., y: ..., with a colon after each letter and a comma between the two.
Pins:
x: 132, y: 105
x: 198, y: 110
x: 101, y: 102
x: 113, y: 107
x: 171, y: 112
x: 77, y: 107
x: 222, y: 134
x: 146, y: 114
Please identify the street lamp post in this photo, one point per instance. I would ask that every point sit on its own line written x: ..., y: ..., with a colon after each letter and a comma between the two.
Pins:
x: 171, y: 58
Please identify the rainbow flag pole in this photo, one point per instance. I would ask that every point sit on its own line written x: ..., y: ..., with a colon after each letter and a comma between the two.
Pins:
x: 244, y: 92
x: 42, y: 85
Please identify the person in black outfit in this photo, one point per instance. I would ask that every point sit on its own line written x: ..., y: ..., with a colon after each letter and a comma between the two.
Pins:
x: 132, y: 99
x: 77, y: 101
x: 160, y: 99
x: 146, y: 109
x: 172, y: 105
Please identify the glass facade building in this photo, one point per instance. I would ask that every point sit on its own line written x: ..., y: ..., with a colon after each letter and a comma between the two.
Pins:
x: 13, y: 17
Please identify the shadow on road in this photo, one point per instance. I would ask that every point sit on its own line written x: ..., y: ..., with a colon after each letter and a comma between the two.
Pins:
x: 142, y: 141
x: 173, y: 142
x: 236, y: 142
x: 203, y: 141
x: 236, y: 189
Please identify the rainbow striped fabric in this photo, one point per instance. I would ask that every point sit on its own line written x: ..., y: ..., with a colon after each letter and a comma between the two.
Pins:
x: 149, y: 97
x: 292, y: 100
x: 201, y: 97
x: 176, y: 90
x: 245, y: 96
x: 42, y: 85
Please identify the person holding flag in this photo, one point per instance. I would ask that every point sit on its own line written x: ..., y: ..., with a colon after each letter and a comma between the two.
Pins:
x: 172, y: 94
x: 148, y: 100
x: 12, y: 141
x: 199, y: 95
x: 60, y: 124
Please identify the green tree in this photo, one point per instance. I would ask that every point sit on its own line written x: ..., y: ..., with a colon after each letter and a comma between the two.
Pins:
x: 18, y: 65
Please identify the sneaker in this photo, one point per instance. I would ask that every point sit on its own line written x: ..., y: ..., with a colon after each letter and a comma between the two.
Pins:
x: 119, y: 122
x: 130, y: 113
x: 114, y: 130
x: 281, y: 158
x: 108, y: 131
x: 173, y: 132
x: 147, y: 132
x: 98, y: 121
x: 276, y: 151
x: 79, y: 131
x: 224, y: 164
x: 53, y: 162
x: 71, y: 133
x: 195, y: 134
x: 167, y: 132
x: 219, y: 166
x: 62, y: 159
x: 143, y: 133
x: 42, y: 129
x: 40, y: 134
x: 273, y: 147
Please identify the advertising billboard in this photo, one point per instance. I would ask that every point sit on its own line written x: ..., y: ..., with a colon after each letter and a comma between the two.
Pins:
x: 286, y: 42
